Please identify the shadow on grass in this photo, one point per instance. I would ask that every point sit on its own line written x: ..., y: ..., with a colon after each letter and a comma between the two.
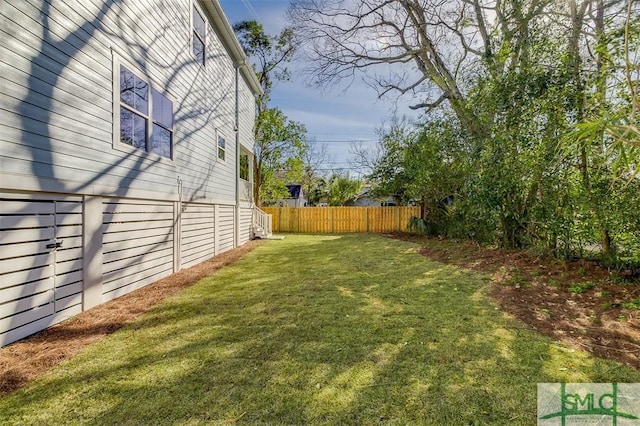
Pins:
x: 354, y: 329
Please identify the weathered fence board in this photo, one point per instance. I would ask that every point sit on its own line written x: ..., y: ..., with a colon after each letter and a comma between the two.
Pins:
x: 328, y: 220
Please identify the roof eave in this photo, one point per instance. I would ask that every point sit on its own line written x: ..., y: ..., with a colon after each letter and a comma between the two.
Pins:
x: 228, y: 37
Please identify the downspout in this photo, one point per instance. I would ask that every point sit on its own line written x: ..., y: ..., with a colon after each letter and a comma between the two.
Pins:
x: 236, y: 128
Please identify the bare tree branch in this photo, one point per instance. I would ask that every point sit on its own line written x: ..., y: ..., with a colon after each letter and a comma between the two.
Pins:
x: 430, y: 105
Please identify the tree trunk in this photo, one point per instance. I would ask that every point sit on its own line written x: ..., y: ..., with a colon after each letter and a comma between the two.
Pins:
x: 578, y: 14
x: 257, y: 183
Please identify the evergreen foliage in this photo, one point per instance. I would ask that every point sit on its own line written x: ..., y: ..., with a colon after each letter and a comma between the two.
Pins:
x: 529, y: 137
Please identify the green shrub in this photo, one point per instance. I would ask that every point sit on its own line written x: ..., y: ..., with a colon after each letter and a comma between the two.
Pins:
x: 578, y: 288
x: 419, y: 226
x: 634, y: 304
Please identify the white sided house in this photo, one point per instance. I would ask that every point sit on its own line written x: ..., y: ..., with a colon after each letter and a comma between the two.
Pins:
x: 126, y: 141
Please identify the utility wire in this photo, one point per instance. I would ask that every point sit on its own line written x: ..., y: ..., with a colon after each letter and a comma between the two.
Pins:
x: 251, y: 10
x: 343, y: 141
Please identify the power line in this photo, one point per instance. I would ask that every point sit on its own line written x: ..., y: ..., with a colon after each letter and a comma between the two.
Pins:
x: 344, y: 133
x: 343, y: 141
x: 329, y: 169
x: 333, y: 163
x: 251, y: 10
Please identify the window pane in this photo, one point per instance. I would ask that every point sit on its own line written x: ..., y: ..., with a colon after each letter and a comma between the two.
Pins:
x: 127, y: 86
x: 133, y: 129
x: 126, y: 126
x: 221, y: 144
x: 161, y: 141
x: 198, y: 49
x: 134, y: 91
x: 162, y: 109
x: 198, y: 24
x: 139, y: 132
x: 167, y: 113
x: 142, y: 96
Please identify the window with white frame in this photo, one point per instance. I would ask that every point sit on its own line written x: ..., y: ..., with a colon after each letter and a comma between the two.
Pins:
x: 145, y: 115
x: 221, y: 147
x: 199, y: 35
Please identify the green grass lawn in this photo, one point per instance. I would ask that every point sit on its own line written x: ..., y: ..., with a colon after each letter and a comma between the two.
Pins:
x: 354, y: 329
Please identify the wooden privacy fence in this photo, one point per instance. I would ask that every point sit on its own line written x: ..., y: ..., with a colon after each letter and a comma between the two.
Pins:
x: 328, y: 220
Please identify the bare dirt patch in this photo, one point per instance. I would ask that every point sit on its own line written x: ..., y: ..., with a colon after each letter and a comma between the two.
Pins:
x: 27, y: 359
x: 577, y: 302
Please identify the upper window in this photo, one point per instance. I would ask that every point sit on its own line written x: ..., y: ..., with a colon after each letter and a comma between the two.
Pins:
x: 199, y: 35
x: 221, y: 148
x: 162, y: 130
x: 146, y: 115
x: 244, y: 166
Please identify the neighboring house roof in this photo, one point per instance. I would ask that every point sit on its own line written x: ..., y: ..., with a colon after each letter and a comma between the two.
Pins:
x: 295, y: 191
x: 364, y: 192
x: 366, y: 199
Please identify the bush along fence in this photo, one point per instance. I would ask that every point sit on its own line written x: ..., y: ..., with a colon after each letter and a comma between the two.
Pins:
x: 329, y: 220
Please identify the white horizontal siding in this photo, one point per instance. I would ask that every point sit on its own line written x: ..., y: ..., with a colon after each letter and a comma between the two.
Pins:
x: 39, y: 93
x: 37, y: 282
x: 131, y: 260
x: 10, y: 277
x: 59, y: 42
x: 226, y: 231
x: 246, y: 219
x: 246, y: 104
x: 40, y: 286
x: 28, y: 159
x: 197, y: 233
x: 153, y: 227
x: 57, y: 97
x: 56, y: 136
x: 69, y: 260
x: 33, y: 321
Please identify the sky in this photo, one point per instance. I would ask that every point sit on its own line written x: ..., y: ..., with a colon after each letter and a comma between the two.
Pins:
x: 337, y: 117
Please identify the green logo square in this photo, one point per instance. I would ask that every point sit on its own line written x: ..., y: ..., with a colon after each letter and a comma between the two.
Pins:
x: 566, y: 404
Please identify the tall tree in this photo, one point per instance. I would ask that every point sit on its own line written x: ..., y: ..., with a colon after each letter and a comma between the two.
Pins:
x: 427, y: 48
x: 271, y: 55
x: 279, y: 148
x: 342, y: 189
x: 518, y: 76
x: 314, y: 163
x: 279, y: 142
